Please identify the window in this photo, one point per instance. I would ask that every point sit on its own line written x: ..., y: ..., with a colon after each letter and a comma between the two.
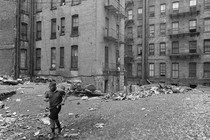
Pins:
x: 162, y: 69
x: 61, y: 57
x: 53, y: 28
x: 130, y: 32
x: 139, y: 69
x: 207, y: 46
x: 38, y: 5
x: 63, y: 2
x: 130, y: 50
x: 175, y: 6
x: 38, y: 58
x: 151, y: 69
x: 139, y: 49
x: 152, y: 11
x: 206, y: 70
x: 75, y: 2
x: 23, y: 58
x: 25, y: 7
x: 192, y: 3
x: 207, y: 25
x: 62, y: 26
x: 129, y: 70
x: 75, y: 25
x: 192, y: 69
x: 162, y: 28
x: 139, y: 13
x: 130, y: 14
x: 53, y: 4
x: 38, y: 30
x: 74, y: 57
x: 175, y: 27
x: 53, y: 58
x: 151, y: 49
x: 193, y: 25
x: 24, y: 31
x: 175, y: 47
x: 162, y: 48
x: 207, y: 5
x: 192, y: 46
x: 139, y: 31
x: 175, y: 70
x: 162, y: 9
x: 152, y: 30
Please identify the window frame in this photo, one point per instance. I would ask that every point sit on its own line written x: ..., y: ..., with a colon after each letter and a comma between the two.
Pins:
x: 175, y: 49
x: 161, y: 29
x: 74, y: 57
x: 192, y: 72
x: 206, y: 26
x: 75, y: 28
x: 162, y: 50
x: 151, y: 49
x: 74, y: 2
x: 62, y: 30
x: 24, y: 31
x: 140, y: 14
x: 204, y: 45
x: 139, y: 49
x: 152, y: 32
x: 53, y: 28
x: 175, y: 71
x: 139, y: 31
x: 25, y: 61
x: 38, y: 58
x: 151, y: 69
x: 162, y: 69
x: 38, y: 31
x: 139, y: 69
x: 175, y: 9
x: 205, y: 70
x: 53, y: 58
x: 151, y: 11
x: 163, y: 12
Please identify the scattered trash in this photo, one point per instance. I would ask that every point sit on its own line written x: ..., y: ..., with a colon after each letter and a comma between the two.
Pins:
x: 84, y: 98
x: 92, y: 109
x: 37, y: 133
x: 70, y: 114
x: 18, y: 100
x: 46, y: 120
x: 99, y: 125
x: 74, y: 134
x: 1, y: 104
x: 143, y: 109
x: 39, y: 95
x: 14, y: 113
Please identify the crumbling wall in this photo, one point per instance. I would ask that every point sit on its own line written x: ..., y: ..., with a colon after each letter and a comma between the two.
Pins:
x: 7, y: 36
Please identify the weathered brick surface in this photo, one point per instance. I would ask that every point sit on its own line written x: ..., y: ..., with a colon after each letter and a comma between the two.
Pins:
x: 7, y: 36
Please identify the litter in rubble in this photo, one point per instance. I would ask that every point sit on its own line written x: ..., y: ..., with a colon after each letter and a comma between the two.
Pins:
x: 99, y: 125
x: 84, y: 98
x: 46, y: 120
x: 1, y: 104
x: 92, y: 109
x: 17, y: 100
x: 135, y: 92
x: 70, y: 114
x: 37, y: 133
x: 143, y: 109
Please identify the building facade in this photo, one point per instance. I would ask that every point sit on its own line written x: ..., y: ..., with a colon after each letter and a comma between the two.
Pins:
x: 7, y: 37
x: 177, y: 41
x: 81, y: 40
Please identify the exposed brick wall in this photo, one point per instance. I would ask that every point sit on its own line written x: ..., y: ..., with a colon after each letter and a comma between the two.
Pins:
x: 7, y: 36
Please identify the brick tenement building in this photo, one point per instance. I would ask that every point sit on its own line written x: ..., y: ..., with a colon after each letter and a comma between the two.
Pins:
x: 178, y: 41
x: 81, y: 39
x: 7, y: 37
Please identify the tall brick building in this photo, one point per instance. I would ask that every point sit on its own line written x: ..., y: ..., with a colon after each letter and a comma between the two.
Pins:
x: 7, y: 37
x: 81, y: 39
x: 177, y: 41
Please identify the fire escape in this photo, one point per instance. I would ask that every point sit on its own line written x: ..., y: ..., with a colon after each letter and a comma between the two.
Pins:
x: 113, y: 35
x: 193, y: 32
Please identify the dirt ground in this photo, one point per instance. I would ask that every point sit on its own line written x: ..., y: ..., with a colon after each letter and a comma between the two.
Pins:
x: 161, y: 117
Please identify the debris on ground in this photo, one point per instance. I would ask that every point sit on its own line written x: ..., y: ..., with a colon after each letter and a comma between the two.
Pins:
x: 136, y: 92
x: 1, y: 105
x: 99, y: 125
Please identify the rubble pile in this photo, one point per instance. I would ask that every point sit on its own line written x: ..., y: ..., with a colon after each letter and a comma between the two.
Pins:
x: 7, y: 80
x: 135, y: 92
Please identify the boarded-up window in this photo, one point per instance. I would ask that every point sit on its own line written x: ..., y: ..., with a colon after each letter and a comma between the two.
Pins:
x: 192, y: 69
x: 175, y: 70
x: 61, y: 57
x: 53, y: 57
x: 38, y: 58
x: 74, y: 57
x: 23, y: 58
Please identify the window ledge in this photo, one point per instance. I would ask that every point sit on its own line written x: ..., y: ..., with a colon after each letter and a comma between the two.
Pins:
x: 38, y: 39
x: 74, y: 69
x: 38, y: 69
x: 52, y: 69
x: 77, y: 35
x: 39, y: 11
x: 52, y: 37
x: 76, y: 4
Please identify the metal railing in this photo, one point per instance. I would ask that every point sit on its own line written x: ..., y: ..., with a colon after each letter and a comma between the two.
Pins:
x: 111, y: 33
x: 116, y: 5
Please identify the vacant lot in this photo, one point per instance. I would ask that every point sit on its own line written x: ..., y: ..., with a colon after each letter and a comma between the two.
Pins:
x: 163, y: 117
